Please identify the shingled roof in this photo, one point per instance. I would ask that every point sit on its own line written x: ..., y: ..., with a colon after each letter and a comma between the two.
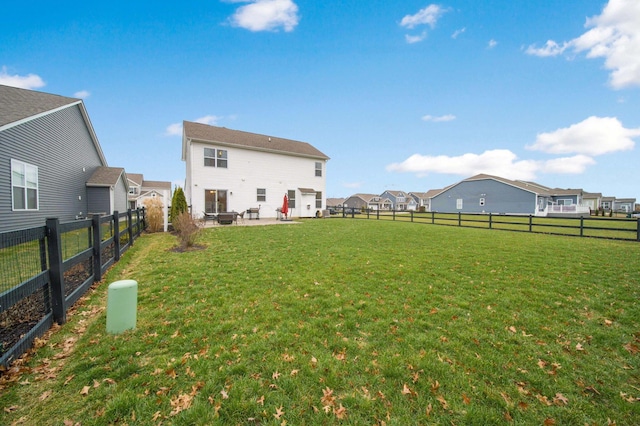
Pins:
x: 18, y: 104
x: 228, y: 137
x: 106, y: 176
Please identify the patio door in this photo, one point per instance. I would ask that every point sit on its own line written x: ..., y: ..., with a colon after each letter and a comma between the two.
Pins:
x: 215, y: 200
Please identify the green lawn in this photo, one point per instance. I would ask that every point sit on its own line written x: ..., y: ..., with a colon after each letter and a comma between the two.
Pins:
x: 354, y: 322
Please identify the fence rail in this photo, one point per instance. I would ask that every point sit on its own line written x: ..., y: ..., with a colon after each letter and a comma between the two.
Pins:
x: 593, y: 227
x: 45, y: 270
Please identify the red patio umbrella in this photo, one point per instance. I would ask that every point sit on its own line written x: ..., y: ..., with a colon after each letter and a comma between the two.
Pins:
x: 285, y: 206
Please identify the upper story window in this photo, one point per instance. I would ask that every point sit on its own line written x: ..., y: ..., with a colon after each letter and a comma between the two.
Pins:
x: 24, y: 186
x: 133, y: 190
x: 318, y: 168
x: 214, y: 157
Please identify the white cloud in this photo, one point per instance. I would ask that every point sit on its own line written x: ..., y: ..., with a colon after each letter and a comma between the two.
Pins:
x: 593, y: 136
x: 567, y: 165
x: 211, y: 120
x: 447, y: 117
x: 266, y: 15
x: 82, y: 94
x: 30, y: 81
x: 415, y: 39
x: 551, y: 48
x: 613, y: 35
x: 492, y: 43
x: 427, y: 16
x: 456, y: 33
x: 175, y: 129
x: 500, y: 162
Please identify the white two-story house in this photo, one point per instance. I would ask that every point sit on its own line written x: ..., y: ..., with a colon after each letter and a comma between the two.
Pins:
x: 230, y: 170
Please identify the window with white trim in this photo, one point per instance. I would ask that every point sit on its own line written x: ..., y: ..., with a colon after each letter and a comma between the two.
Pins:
x: 459, y: 204
x: 318, y: 200
x: 318, y: 169
x: 24, y: 186
x: 214, y: 157
x: 291, y: 195
x: 261, y: 194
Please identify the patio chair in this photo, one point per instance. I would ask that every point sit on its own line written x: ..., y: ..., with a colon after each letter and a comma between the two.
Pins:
x: 239, y: 216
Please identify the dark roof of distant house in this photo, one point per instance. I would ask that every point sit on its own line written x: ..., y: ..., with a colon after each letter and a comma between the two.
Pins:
x: 224, y: 136
x: 18, y: 104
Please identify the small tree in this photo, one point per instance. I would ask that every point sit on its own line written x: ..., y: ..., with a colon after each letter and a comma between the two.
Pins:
x: 178, y: 205
x: 155, y: 216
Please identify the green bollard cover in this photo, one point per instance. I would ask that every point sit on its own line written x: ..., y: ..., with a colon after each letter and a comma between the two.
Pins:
x: 122, y: 301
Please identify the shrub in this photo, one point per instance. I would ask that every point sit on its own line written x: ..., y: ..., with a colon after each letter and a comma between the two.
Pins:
x: 155, y: 216
x: 178, y: 205
x: 187, y: 229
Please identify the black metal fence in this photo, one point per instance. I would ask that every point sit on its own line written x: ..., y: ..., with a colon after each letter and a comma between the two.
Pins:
x: 589, y: 226
x: 45, y: 270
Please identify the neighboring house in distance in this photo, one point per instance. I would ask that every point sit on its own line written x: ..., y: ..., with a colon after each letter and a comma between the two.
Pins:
x: 592, y: 200
x: 421, y: 199
x: 624, y: 205
x: 107, y: 191
x: 48, y: 153
x: 367, y: 201
x: 141, y: 190
x: 335, y: 202
x: 400, y: 200
x: 492, y: 194
x: 232, y: 170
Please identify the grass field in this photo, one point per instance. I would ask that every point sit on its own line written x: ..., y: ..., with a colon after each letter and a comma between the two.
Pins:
x: 350, y: 322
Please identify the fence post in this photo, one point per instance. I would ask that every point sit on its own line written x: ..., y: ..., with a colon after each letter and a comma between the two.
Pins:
x: 378, y: 213
x: 130, y: 226
x: 138, y: 223
x: 55, y: 271
x: 433, y: 217
x: 393, y: 214
x: 97, y: 253
x: 116, y: 236
x: 638, y: 230
x: 530, y: 223
x: 582, y: 226
x: 490, y: 221
x: 411, y: 212
x: 459, y: 218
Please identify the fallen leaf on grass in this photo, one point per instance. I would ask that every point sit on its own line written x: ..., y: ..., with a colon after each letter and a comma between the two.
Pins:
x: 560, y: 399
x: 279, y: 413
x: 260, y: 400
x: 180, y: 403
x: 45, y: 395
x: 85, y: 390
x: 340, y: 412
x: 443, y: 402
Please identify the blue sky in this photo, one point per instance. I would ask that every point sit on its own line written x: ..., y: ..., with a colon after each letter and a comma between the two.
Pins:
x: 406, y: 95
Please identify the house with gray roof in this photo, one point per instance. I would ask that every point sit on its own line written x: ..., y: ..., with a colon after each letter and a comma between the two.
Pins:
x: 367, y: 201
x: 493, y: 194
x: 232, y: 170
x: 49, y: 159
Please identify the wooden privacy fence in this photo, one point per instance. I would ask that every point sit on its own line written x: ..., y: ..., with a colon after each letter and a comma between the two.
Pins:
x: 590, y: 226
x: 45, y: 270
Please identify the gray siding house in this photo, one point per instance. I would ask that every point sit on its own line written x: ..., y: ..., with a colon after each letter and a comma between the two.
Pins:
x: 492, y: 194
x: 48, y: 153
